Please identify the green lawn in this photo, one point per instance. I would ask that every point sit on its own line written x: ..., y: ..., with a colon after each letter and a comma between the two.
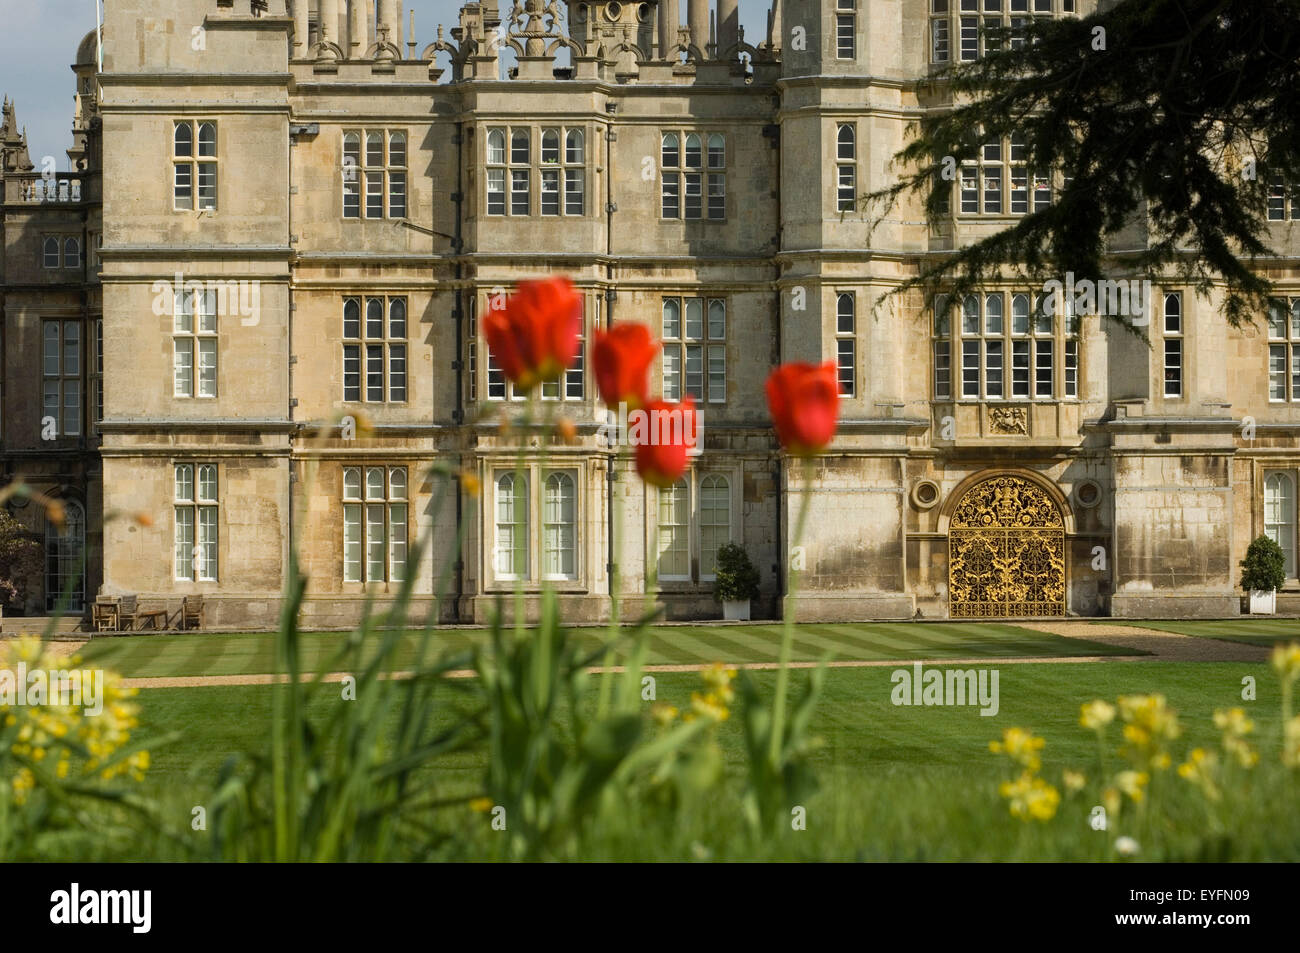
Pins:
x: 1265, y: 632
x: 251, y: 654
x: 897, y: 782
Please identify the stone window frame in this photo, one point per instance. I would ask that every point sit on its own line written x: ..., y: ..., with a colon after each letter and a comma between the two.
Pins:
x: 846, y: 342
x: 1003, y: 161
x: 846, y: 167
x: 570, y: 388
x: 958, y: 28
x: 566, y: 166
x: 394, y: 349
x: 359, y: 497
x: 1286, y: 346
x: 61, y: 375
x: 675, y: 175
x: 846, y: 29
x: 389, y: 169
x: 1287, y: 518
x: 188, y: 157
x: 1021, y: 343
x: 693, y: 528
x: 1283, y: 203
x: 199, y: 552
x: 198, y: 340
x: 529, y: 539
x: 679, y: 343
x: 96, y: 381
x: 1173, y: 328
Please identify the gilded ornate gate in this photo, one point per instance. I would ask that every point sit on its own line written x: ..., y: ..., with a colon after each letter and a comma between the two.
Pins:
x: 1006, y: 552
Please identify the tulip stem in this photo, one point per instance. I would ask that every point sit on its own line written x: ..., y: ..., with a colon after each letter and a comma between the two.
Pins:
x: 787, y: 619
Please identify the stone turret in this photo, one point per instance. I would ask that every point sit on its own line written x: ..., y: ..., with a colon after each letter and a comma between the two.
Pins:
x: 13, y: 144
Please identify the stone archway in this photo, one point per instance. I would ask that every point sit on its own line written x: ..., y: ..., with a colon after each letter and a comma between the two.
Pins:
x: 1006, y: 551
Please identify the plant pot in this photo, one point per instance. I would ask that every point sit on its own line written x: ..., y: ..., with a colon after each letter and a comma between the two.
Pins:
x: 1263, y: 601
x: 737, y: 611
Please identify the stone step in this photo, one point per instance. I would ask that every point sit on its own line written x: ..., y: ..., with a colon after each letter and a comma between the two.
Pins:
x: 62, y: 626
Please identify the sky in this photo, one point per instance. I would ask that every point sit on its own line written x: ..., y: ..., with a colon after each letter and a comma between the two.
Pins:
x: 40, y: 38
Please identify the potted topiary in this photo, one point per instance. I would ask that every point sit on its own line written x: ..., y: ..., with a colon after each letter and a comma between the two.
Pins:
x: 1262, y: 573
x: 735, y: 582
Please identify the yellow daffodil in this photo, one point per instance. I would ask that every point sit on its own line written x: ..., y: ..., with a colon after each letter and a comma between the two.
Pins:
x: 1096, y: 715
x: 1021, y: 747
x: 1030, y: 797
x: 1286, y: 662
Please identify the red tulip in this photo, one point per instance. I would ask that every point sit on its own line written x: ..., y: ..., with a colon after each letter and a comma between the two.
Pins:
x: 535, y: 336
x: 663, y: 437
x: 622, y: 359
x: 804, y: 401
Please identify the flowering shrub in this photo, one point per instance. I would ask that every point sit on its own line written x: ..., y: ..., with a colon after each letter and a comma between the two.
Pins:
x: 58, y: 760
x: 1221, y: 780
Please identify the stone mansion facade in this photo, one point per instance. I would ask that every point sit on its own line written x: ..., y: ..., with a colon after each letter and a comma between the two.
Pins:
x: 287, y: 217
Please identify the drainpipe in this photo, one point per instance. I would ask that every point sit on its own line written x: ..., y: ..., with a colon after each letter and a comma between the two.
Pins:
x: 457, y: 246
x: 289, y: 357
x: 611, y: 472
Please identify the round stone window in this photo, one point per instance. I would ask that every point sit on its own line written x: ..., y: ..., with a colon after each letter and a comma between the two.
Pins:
x: 925, y: 494
x: 643, y: 13
x: 613, y: 11
x: 1087, y: 494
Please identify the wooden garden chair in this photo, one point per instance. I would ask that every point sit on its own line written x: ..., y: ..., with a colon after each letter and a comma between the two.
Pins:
x: 192, y: 612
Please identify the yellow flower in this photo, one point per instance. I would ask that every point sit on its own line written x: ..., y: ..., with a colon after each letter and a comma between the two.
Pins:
x: 1149, y: 724
x: 480, y: 805
x: 1133, y: 783
x: 1286, y: 662
x: 664, y: 714
x: 1291, y: 743
x: 1199, y: 769
x: 1020, y: 746
x: 1110, y: 800
x: 1233, y: 721
x: 709, y: 706
x: 470, y: 483
x: 1073, y: 781
x: 1096, y: 715
x: 1030, y: 797
x: 719, y: 679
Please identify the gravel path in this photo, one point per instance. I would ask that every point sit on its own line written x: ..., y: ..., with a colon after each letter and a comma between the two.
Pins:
x: 1162, y: 646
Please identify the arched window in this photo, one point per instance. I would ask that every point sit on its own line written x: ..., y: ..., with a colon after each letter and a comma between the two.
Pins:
x: 397, y: 150
x: 1280, y: 516
x: 715, y: 521
x: 671, y: 152
x: 50, y: 253
x: 1020, y: 314
x: 374, y: 150
x: 846, y: 142
x: 717, y: 152
x: 512, y: 527
x: 693, y: 157
x: 72, y: 253
x: 846, y: 356
x: 184, y: 140
x: 65, y: 582
x: 559, y: 524
x: 352, y: 175
x: 496, y: 145
x: 993, y: 314
x: 519, y: 147
x: 550, y: 146
x: 674, y: 532
x: 207, y: 140
x: 574, y: 147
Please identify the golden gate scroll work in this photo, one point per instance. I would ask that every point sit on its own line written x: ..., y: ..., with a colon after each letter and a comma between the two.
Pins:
x: 1006, y: 552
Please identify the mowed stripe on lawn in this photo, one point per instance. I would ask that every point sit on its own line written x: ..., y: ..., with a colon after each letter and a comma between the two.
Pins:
x: 244, y: 654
